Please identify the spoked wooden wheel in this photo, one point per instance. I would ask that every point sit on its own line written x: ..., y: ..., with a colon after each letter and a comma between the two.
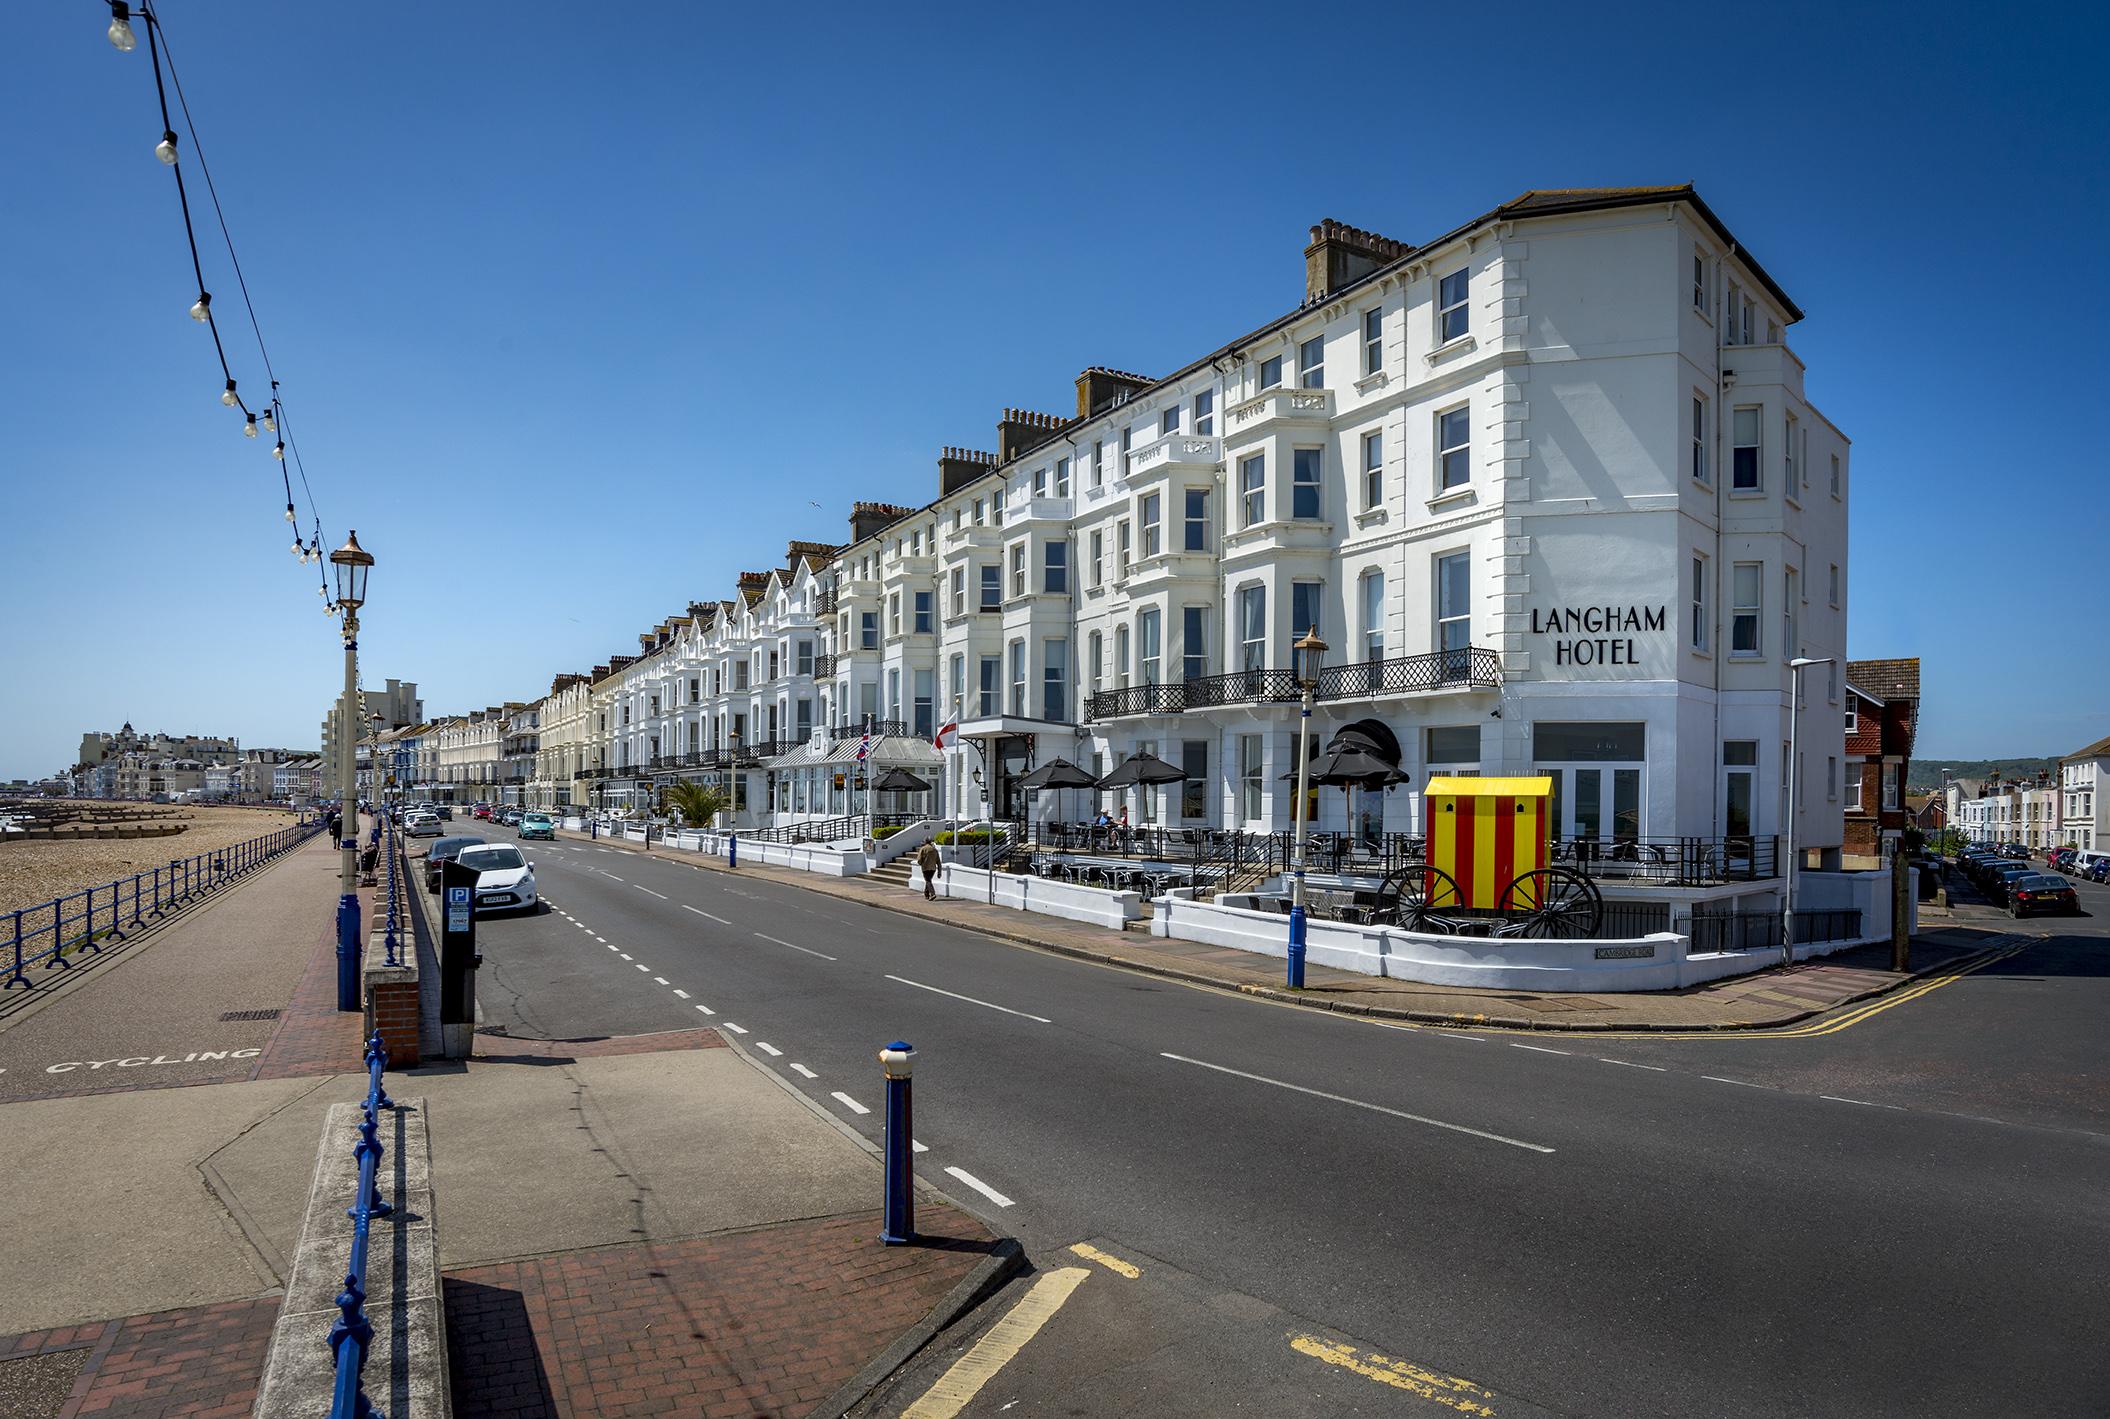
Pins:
x: 1552, y: 902
x: 1420, y: 898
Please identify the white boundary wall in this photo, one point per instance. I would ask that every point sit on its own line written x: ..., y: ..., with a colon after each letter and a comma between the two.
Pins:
x: 844, y: 859
x: 1067, y: 900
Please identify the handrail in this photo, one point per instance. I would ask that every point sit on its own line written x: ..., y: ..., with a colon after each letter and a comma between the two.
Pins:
x: 352, y: 1335
x: 1470, y: 667
x: 152, y: 894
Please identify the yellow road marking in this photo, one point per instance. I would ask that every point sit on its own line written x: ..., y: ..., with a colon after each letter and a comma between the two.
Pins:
x: 1111, y: 1263
x: 958, y: 1386
x: 1448, y: 1390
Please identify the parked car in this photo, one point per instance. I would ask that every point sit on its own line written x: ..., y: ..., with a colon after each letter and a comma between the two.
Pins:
x: 2060, y: 859
x: 2099, y: 870
x: 482, y: 810
x: 2003, y: 881
x: 537, y: 825
x: 510, y: 817
x: 443, y: 811
x: 2041, y: 892
x: 505, y: 879
x: 421, y: 825
x: 443, y: 851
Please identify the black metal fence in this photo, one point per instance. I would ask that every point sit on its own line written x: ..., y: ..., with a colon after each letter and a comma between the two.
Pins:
x: 1671, y: 862
x: 1468, y: 668
x: 1757, y: 931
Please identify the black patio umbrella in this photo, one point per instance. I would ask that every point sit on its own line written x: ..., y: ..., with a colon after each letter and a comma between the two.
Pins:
x: 1143, y: 769
x: 899, y: 781
x: 1055, y: 773
x: 1351, y: 761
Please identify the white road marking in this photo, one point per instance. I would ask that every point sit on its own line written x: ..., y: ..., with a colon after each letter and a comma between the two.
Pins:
x: 767, y: 1048
x: 736, y: 1029
x: 612, y: 877
x: 649, y: 892
x: 917, y: 1145
x: 706, y: 1010
x: 1358, y: 1103
x: 971, y: 1000
x: 1538, y: 1049
x: 656, y: 980
x: 643, y: 967
x: 849, y: 1103
x: 1454, y: 1035
x: 979, y: 1186
x: 1657, y: 1068
x: 680, y: 992
x: 626, y: 956
x: 803, y: 1070
x: 700, y: 912
x: 1865, y: 1103
x: 1745, y: 1082
x: 808, y: 950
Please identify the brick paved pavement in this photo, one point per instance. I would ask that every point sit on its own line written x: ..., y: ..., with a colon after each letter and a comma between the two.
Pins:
x: 1772, y: 997
x: 202, y: 1362
x: 762, y: 1322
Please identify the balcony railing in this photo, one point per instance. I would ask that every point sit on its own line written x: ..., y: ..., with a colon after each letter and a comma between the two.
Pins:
x: 823, y: 666
x: 877, y: 726
x: 1471, y: 668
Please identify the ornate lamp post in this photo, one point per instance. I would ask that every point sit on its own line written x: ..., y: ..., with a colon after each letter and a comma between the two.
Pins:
x: 1307, y: 654
x: 352, y: 562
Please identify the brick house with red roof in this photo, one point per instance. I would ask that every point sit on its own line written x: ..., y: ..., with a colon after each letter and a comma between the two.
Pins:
x: 1882, y: 717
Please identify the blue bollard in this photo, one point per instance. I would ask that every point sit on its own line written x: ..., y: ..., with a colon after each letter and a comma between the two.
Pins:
x: 1296, y: 945
x: 732, y: 851
x: 348, y: 952
x: 897, y: 1225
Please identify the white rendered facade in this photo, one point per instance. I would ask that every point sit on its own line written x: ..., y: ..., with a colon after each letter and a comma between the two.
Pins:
x: 2085, y: 819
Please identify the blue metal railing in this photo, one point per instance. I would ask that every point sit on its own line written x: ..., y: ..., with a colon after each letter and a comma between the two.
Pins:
x: 352, y: 1334
x: 82, y: 920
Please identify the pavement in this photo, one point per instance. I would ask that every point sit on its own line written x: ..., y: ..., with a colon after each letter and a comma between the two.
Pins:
x: 1770, y: 998
x: 645, y: 1223
x: 1879, y: 1209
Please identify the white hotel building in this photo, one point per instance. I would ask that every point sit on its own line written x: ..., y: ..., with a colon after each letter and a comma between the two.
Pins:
x: 1548, y: 486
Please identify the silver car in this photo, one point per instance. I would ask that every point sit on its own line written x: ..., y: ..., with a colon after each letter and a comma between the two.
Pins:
x: 422, y: 825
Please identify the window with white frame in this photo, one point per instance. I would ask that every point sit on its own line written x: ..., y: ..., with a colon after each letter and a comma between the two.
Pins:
x: 1095, y: 660
x: 1271, y: 372
x: 924, y: 613
x: 1062, y: 477
x: 1098, y: 462
x: 1454, y: 613
x: 1374, y: 469
x: 1120, y: 656
x: 1373, y: 340
x: 1169, y: 421
x: 1894, y: 786
x: 923, y: 720
x: 1098, y: 558
x: 996, y: 502
x: 1252, y: 628
x: 1698, y: 630
x: 1729, y: 305
x: 1018, y: 678
x: 893, y: 695
x: 959, y: 591
x: 1747, y: 591
x: 1151, y: 519
x: 1307, y: 600
x: 1040, y: 482
x: 1699, y: 280
x: 1121, y: 548
x: 1451, y: 313
x: 1372, y: 597
x: 1197, y: 520
x: 1055, y: 568
x: 1790, y: 462
x: 1454, y: 448
x: 1252, y: 487
x: 1252, y: 777
x: 978, y: 516
x: 1744, y: 451
x: 893, y: 613
x: 1853, y: 787
x: 1791, y: 613
x: 959, y: 683
x: 1205, y: 413
x: 867, y: 633
x: 1745, y: 330
x: 1018, y: 569
x: 1699, y: 438
x: 1311, y: 363
x: 1149, y: 645
x: 992, y: 598
x: 1194, y: 642
x: 1054, y: 680
x: 1306, y: 468
x: 1853, y: 714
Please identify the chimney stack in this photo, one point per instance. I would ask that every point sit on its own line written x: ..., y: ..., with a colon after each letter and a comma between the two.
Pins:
x: 1021, y: 429
x: 960, y: 466
x: 1100, y: 388
x: 1340, y: 255
x: 868, y: 518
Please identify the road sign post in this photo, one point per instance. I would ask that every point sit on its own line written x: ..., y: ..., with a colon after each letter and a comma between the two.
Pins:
x: 898, y: 1215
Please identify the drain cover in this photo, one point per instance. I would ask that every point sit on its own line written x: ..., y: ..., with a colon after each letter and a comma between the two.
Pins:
x: 251, y: 1015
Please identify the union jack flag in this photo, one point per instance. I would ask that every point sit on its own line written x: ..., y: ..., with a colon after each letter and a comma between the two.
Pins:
x: 864, y: 747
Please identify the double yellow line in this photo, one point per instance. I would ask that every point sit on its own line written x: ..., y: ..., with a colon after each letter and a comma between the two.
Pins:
x: 1853, y: 1016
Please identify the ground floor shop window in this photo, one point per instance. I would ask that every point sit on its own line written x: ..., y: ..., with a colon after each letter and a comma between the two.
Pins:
x: 1596, y: 774
x: 1251, y: 767
x: 1194, y: 793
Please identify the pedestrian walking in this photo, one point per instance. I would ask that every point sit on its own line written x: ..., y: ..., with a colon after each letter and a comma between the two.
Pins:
x: 927, y: 859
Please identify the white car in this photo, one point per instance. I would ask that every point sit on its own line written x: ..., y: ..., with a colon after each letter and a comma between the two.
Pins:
x: 505, y: 879
x: 422, y: 825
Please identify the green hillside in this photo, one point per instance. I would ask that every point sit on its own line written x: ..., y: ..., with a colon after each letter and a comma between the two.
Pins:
x: 1926, y: 774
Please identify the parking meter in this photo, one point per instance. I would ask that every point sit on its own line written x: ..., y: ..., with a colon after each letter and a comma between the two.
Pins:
x: 458, y: 959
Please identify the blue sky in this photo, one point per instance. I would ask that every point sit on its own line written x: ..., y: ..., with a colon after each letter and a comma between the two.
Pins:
x: 625, y: 291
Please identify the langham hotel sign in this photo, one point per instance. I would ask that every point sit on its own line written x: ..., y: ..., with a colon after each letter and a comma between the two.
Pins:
x: 1595, y: 635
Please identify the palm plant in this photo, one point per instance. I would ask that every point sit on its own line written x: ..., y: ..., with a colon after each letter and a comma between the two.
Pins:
x: 696, y: 803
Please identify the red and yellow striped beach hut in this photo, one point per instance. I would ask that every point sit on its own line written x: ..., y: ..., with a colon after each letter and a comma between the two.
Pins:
x: 1485, y: 833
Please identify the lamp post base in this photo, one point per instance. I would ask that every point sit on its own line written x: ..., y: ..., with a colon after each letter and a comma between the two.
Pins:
x: 348, y: 952
x: 1296, y: 946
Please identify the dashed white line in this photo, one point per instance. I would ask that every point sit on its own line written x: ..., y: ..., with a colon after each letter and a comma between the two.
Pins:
x: 979, y: 1186
x: 802, y: 1070
x: 1538, y: 1049
x: 612, y: 877
x: 1864, y: 1103
x: 701, y: 912
x: 767, y: 1048
x: 626, y: 956
x: 1443, y: 1034
x: 917, y: 1145
x: 1358, y: 1103
x: 706, y: 1010
x: 649, y: 892
x: 987, y: 1005
x: 680, y: 992
x: 849, y: 1103
x: 736, y: 1029
x: 641, y: 966
x: 808, y: 950
x: 1718, y: 1079
x: 656, y: 980
x: 1656, y: 1068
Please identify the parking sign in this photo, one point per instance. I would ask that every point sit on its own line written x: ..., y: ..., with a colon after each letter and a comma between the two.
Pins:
x: 457, y: 896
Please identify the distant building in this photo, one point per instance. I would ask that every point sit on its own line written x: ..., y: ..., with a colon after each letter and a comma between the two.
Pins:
x: 1882, y: 717
x: 2080, y: 774
x: 398, y: 705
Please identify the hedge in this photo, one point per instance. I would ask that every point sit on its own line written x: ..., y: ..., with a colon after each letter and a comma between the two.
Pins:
x: 970, y: 836
x: 886, y: 830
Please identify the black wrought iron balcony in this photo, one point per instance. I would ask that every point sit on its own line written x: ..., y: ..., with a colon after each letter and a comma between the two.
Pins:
x: 877, y: 727
x: 1470, y: 668
x: 823, y: 666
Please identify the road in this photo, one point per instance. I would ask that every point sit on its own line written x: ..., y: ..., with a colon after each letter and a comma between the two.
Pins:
x: 1904, y: 1216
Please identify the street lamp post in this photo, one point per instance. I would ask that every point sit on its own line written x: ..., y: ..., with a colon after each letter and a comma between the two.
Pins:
x: 1307, y: 652
x: 1787, y: 894
x: 352, y: 563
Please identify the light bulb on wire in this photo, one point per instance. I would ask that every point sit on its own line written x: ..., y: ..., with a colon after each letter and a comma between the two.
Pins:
x: 270, y: 424
x: 278, y: 450
x: 121, y: 37
x: 289, y: 512
x: 249, y: 427
x: 323, y: 592
x: 202, y: 310
x: 299, y: 549
x: 166, y: 148
x: 228, y: 396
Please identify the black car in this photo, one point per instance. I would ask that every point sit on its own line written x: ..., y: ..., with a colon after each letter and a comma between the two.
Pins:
x: 444, y: 850
x: 2002, y: 882
x: 2041, y: 892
